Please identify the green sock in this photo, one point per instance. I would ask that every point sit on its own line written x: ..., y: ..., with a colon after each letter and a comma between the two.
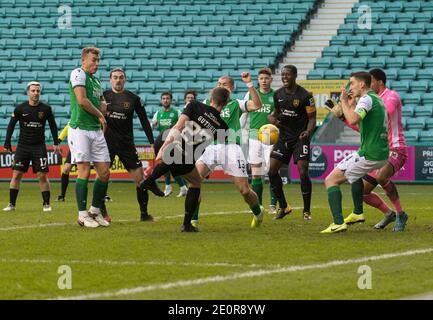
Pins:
x: 99, y: 192
x: 273, y: 198
x: 257, y: 186
x: 357, y: 196
x: 179, y: 181
x: 196, y: 211
x: 334, y: 199
x: 81, y: 193
x: 256, y: 209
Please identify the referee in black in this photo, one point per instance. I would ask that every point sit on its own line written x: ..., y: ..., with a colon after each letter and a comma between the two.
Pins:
x: 295, y: 115
x: 32, y: 116
x: 121, y: 105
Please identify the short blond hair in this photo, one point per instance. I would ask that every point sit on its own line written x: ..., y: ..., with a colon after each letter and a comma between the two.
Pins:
x: 88, y: 50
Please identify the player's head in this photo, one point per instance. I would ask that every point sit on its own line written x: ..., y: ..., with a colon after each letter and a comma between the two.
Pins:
x: 190, y: 95
x: 226, y: 82
x: 117, y: 79
x: 90, y: 59
x: 288, y: 75
x: 265, y: 79
x: 219, y: 97
x: 166, y: 98
x: 34, y: 89
x: 360, y: 83
x: 378, y: 80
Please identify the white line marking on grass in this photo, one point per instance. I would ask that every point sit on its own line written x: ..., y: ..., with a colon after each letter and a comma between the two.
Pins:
x: 132, y: 263
x: 240, y: 275
x: 423, y: 296
x: 61, y: 224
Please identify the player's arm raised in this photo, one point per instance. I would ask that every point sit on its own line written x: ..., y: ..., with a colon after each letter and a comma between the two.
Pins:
x: 350, y: 115
x: 173, y: 134
x: 255, y: 103
x: 80, y: 93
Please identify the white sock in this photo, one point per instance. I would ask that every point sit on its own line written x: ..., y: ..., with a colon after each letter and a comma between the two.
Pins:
x: 184, y: 188
x: 94, y: 210
x: 82, y: 214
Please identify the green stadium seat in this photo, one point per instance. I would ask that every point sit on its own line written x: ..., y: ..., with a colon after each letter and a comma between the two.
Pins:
x: 429, y: 123
x: 317, y: 74
x: 420, y: 86
x: 416, y: 28
x: 411, y: 136
x: 324, y: 63
x: 423, y: 17
x: 414, y: 6
x: 403, y: 122
x: 340, y: 40
x: 334, y: 74
x: 377, y: 62
x: 407, y: 74
x: 408, y: 39
x: 423, y: 50
x: 426, y: 136
x: 359, y: 63
x: 332, y: 51
x: 424, y: 111
x: 356, y: 40
x: 424, y: 74
x: 400, y: 86
x: 391, y: 39
x: 389, y: 17
x: 425, y: 39
x: 414, y: 62
x: 348, y: 51
x: 396, y: 62
x: 364, y: 51
x: 415, y: 123
x: 411, y: 98
x: 427, y: 98
x: 427, y: 62
x: 406, y: 17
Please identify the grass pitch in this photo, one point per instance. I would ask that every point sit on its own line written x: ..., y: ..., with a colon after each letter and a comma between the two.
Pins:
x: 286, y: 259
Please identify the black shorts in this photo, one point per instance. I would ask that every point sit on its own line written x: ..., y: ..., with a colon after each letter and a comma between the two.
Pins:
x: 283, y: 150
x: 175, y: 169
x: 25, y: 153
x: 127, y: 154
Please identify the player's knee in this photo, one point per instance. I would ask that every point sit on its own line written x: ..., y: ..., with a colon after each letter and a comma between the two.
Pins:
x: 104, y: 175
x: 245, y: 191
x: 43, y: 177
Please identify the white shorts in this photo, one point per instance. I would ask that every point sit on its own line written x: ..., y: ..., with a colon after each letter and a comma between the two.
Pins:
x: 259, y: 153
x: 230, y: 157
x: 87, y: 146
x: 355, y: 167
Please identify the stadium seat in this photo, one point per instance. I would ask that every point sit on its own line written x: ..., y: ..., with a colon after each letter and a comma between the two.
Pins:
x: 423, y: 111
x: 426, y: 136
x: 415, y: 123
x: 429, y: 123
x: 407, y: 74
x: 424, y: 74
x: 427, y: 98
x: 359, y: 63
x: 420, y: 86
x: 399, y: 86
x: 411, y: 98
x: 408, y: 110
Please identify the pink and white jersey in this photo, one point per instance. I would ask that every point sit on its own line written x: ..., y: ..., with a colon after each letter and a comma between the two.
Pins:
x: 393, y: 105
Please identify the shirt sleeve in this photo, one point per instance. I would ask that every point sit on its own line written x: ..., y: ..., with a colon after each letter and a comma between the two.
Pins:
x: 142, y: 116
x: 53, y: 126
x: 243, y: 105
x: 78, y: 78
x: 392, y: 104
x: 310, y: 104
x: 189, y: 110
x: 364, y: 105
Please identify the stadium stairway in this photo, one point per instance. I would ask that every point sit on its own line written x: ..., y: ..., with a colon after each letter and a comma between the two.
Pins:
x: 315, y: 37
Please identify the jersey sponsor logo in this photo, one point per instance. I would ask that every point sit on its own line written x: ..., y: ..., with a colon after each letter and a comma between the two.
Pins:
x: 126, y: 105
x: 40, y: 115
x: 296, y: 103
x: 225, y: 113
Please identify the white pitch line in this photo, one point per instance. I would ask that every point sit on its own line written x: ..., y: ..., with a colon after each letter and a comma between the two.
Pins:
x: 423, y: 296
x: 240, y: 275
x: 61, y: 224
x: 133, y: 263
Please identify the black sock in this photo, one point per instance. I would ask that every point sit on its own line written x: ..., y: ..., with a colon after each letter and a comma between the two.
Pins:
x: 306, y: 189
x: 46, y: 197
x: 142, y: 199
x: 158, y: 171
x: 13, y: 194
x: 65, y: 182
x: 277, y: 188
x: 191, y: 202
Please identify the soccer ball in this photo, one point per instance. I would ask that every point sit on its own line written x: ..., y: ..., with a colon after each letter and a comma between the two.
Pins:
x: 268, y: 134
